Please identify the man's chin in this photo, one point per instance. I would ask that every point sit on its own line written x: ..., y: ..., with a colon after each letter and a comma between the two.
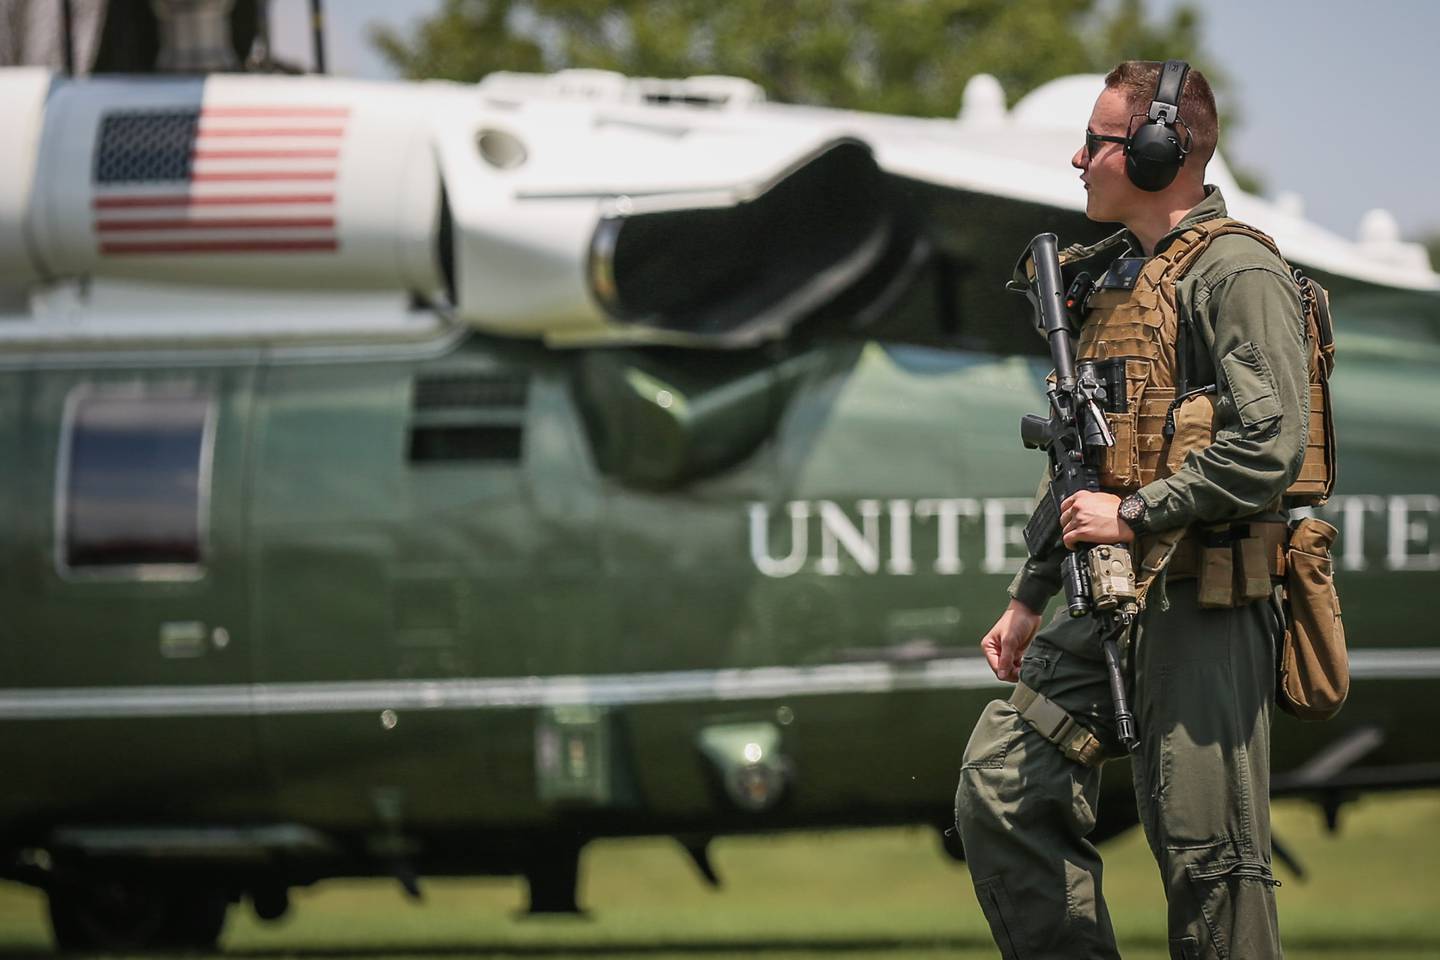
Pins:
x: 1095, y: 212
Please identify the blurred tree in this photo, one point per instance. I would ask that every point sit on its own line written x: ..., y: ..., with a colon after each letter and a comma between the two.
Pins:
x: 466, y: 40
x: 892, y: 56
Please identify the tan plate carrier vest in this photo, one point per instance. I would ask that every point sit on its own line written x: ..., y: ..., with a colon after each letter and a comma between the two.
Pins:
x: 1141, y: 325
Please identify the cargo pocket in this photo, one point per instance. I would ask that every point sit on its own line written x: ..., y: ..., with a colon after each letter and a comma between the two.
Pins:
x: 1004, y: 924
x: 1204, y: 780
x: 1219, y: 882
x: 1251, y: 384
x: 1038, y: 664
x: 995, y: 734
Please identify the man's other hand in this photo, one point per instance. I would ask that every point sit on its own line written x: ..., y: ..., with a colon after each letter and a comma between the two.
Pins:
x: 1005, y: 644
x: 1093, y: 517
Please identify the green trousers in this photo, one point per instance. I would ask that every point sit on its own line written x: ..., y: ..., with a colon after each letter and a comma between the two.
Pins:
x: 1202, y: 690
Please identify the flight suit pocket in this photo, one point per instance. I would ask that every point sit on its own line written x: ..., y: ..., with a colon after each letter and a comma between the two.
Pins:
x: 1004, y: 923
x: 1204, y: 789
x: 1038, y: 664
x: 1231, y: 894
x: 1252, y: 385
x: 994, y: 736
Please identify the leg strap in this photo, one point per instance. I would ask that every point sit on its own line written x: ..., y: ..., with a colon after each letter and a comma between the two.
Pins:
x: 1057, y: 726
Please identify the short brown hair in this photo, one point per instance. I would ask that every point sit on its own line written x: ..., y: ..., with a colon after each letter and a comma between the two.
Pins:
x: 1137, y: 79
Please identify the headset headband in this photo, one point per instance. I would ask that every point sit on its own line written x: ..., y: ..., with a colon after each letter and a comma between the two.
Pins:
x: 1165, y: 108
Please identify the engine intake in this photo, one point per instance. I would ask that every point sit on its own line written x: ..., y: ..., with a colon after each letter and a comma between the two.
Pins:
x: 735, y: 275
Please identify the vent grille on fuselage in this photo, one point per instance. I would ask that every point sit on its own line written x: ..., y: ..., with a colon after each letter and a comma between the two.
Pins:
x: 468, y: 418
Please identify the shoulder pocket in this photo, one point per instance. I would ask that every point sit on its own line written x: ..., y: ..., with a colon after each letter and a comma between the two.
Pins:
x: 1252, y: 385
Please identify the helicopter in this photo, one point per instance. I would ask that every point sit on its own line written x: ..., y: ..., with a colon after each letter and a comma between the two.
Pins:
x: 423, y: 479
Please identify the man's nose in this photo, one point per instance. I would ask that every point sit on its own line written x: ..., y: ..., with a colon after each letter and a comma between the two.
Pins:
x: 1078, y: 160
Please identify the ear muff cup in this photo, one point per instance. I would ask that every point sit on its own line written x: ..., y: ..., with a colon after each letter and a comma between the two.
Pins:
x: 1153, y: 157
x: 1155, y: 154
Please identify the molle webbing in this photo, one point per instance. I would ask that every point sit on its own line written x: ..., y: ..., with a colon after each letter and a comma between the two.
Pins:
x: 1316, y: 478
x: 1138, y: 325
x: 1141, y: 325
x: 1317, y: 471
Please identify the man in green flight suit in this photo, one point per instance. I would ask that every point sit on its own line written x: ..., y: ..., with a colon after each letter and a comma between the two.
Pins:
x: 1202, y: 676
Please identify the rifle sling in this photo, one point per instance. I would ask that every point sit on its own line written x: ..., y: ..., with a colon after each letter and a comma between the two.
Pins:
x: 1054, y: 724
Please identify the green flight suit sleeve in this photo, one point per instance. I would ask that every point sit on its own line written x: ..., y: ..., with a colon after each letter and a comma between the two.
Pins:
x: 1249, y: 314
x: 1038, y: 580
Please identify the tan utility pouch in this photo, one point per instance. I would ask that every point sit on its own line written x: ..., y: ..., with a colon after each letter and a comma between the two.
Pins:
x: 1217, y: 568
x: 1255, y: 566
x: 1238, y: 563
x: 1314, y: 667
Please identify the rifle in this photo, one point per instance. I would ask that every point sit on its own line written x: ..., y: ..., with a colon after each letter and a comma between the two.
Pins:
x: 1099, y: 579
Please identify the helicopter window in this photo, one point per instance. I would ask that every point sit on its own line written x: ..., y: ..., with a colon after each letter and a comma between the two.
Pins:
x: 133, y: 478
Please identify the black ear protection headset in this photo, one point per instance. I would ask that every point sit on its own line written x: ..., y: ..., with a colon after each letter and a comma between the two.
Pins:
x: 1155, y: 152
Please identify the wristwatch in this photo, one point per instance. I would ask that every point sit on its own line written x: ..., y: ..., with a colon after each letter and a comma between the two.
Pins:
x: 1132, y: 511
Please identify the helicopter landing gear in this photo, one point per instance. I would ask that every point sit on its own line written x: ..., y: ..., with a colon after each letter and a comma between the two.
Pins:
x: 113, y: 914
x: 554, y: 878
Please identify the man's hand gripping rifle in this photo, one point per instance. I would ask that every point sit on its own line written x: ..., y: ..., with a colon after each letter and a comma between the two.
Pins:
x: 1099, y: 579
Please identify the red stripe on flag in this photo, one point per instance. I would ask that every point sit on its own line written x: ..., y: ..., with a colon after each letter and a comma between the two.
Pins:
x: 326, y: 112
x: 222, y: 246
x: 265, y: 154
x: 186, y: 200
x: 270, y: 132
x: 256, y: 175
x: 238, y: 223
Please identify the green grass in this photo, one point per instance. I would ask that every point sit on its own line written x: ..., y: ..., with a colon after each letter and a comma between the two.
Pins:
x: 1373, y: 892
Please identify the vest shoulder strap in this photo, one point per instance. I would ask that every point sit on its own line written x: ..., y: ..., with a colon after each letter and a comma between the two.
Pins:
x: 1195, y: 240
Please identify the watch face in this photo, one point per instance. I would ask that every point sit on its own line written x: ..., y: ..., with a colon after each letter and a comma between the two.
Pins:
x: 1131, y: 508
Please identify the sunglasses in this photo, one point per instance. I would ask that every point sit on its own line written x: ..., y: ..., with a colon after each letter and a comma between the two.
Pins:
x: 1093, y: 141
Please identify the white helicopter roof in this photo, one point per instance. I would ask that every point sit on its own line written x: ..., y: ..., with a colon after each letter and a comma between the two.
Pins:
x: 1022, y: 153
x: 590, y: 143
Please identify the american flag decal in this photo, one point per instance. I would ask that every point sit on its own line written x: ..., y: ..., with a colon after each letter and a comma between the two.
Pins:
x: 218, y: 180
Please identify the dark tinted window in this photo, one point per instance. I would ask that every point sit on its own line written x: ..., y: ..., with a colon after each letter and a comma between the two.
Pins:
x: 133, y: 489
